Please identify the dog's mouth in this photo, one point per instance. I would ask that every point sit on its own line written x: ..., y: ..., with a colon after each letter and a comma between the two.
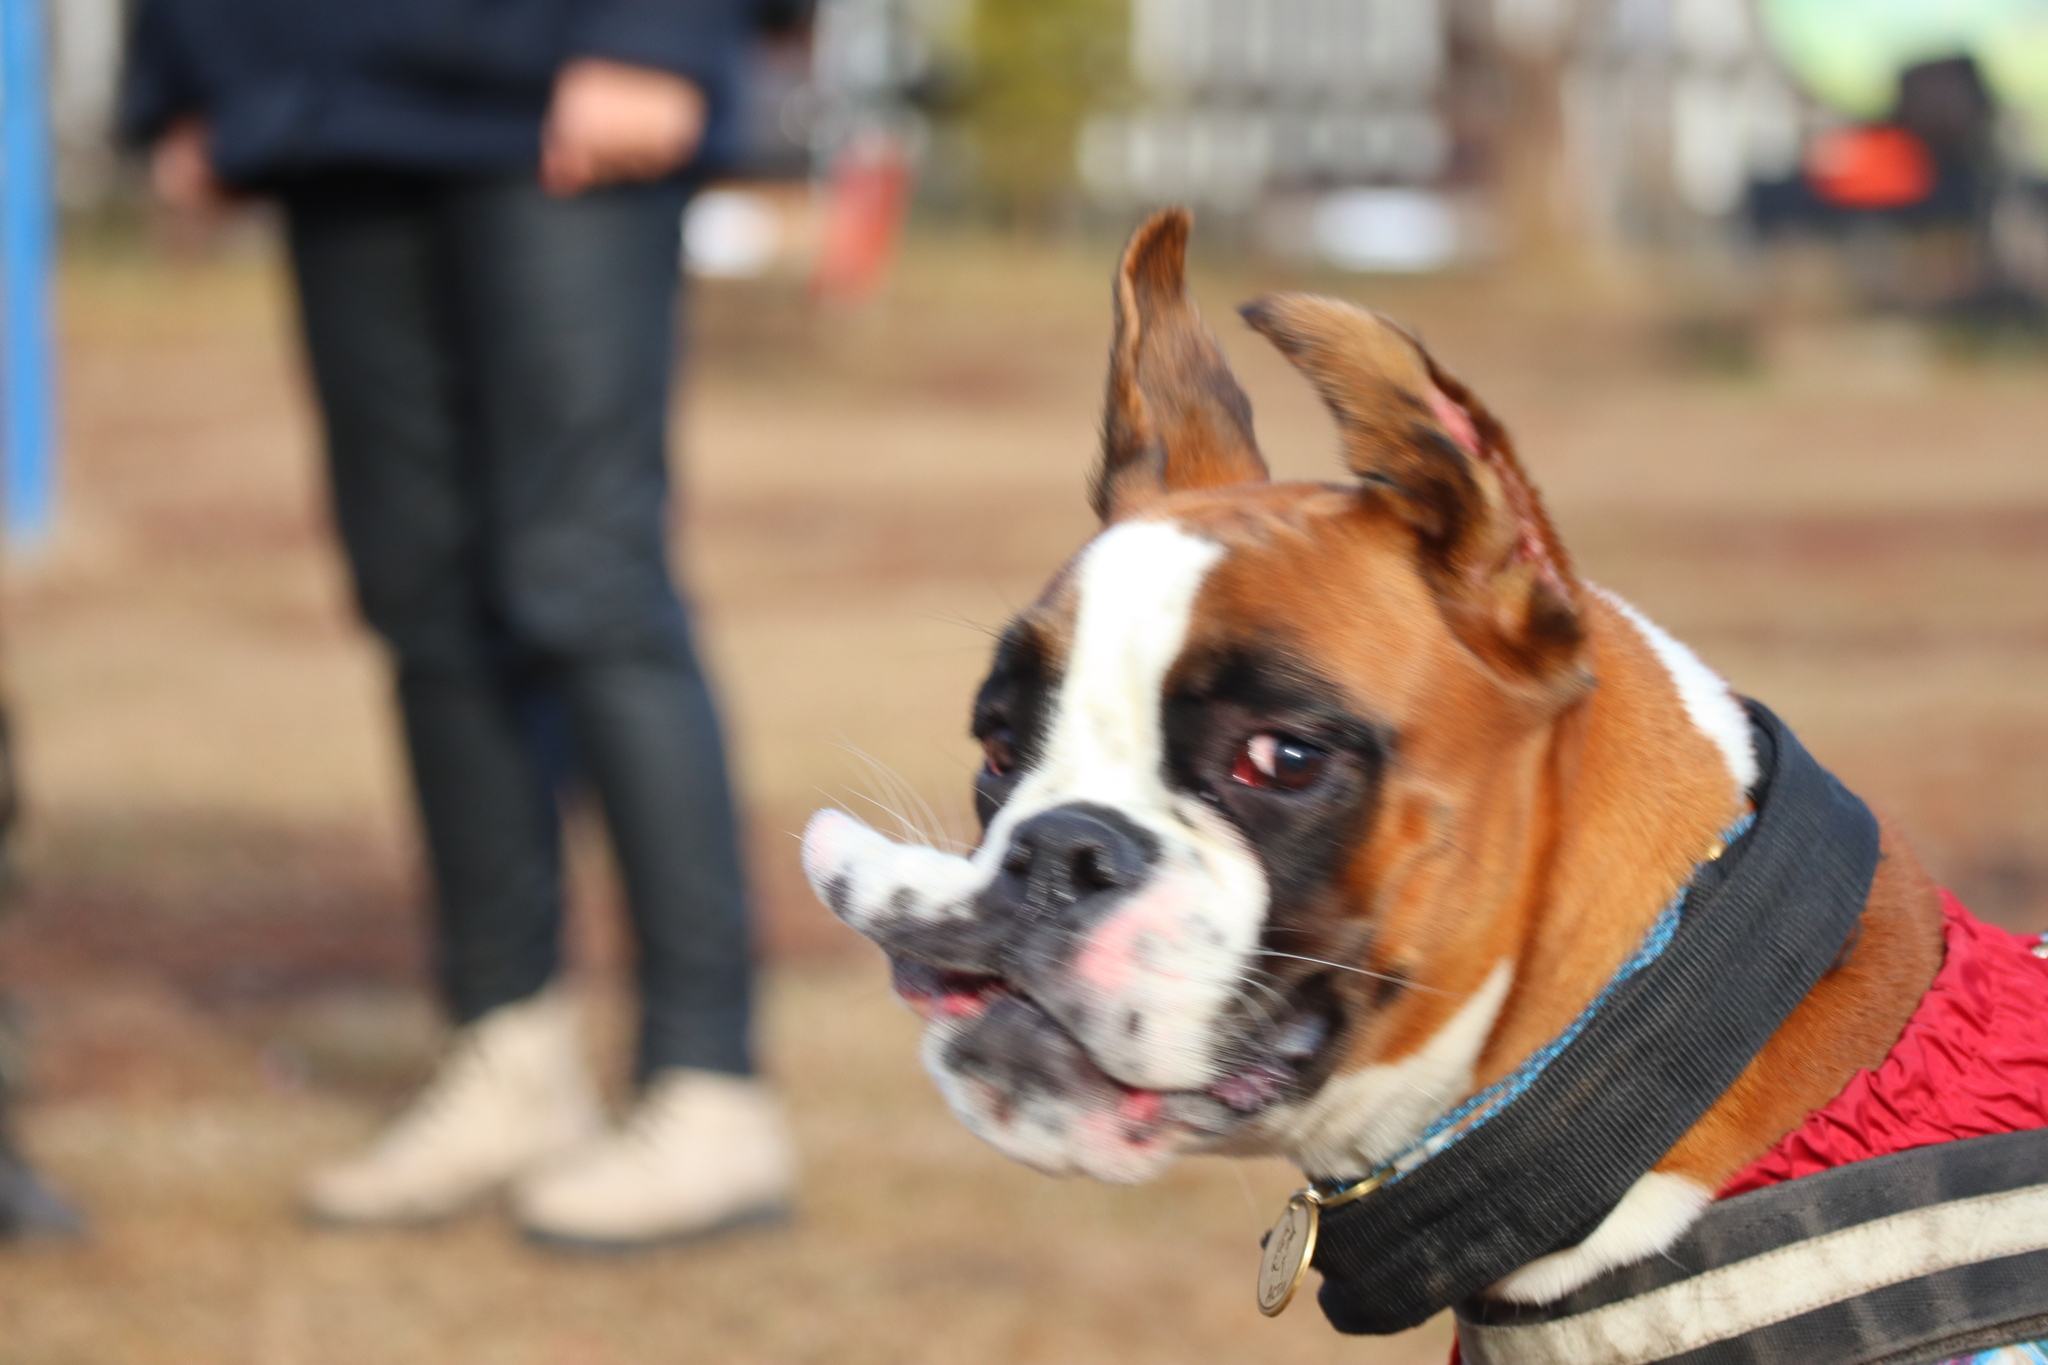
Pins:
x: 1013, y: 1044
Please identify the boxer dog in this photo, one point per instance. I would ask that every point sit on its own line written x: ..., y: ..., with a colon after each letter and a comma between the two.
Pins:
x: 1337, y: 820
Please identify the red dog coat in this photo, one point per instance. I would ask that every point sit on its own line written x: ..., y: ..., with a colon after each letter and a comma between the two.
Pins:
x: 1971, y: 1062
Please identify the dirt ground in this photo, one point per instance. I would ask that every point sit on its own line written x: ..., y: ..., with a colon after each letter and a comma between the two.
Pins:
x: 216, y: 951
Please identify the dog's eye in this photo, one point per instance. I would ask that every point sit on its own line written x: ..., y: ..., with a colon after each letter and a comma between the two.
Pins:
x: 999, y: 751
x: 1280, y: 763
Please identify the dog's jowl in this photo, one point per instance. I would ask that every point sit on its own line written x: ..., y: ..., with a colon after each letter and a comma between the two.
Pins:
x: 1345, y: 822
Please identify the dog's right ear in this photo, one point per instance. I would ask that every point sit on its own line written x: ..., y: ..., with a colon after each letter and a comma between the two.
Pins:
x: 1175, y: 417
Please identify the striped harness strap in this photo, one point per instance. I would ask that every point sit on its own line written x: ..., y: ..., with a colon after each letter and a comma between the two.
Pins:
x: 1937, y: 1254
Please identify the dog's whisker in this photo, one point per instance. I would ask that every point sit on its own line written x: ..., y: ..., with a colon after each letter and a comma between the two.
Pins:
x: 907, y: 829
x: 904, y: 804
x: 878, y: 772
x: 903, y: 795
x: 1362, y: 971
x: 912, y: 796
x: 835, y: 802
x: 1267, y: 1017
x: 947, y: 618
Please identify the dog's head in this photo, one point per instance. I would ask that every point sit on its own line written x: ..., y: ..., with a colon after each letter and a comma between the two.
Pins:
x: 1246, y: 758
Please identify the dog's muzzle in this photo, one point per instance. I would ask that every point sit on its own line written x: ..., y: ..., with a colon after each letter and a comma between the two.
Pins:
x: 1082, y: 979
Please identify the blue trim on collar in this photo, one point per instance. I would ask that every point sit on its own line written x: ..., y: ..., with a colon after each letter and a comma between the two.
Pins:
x: 1451, y: 1128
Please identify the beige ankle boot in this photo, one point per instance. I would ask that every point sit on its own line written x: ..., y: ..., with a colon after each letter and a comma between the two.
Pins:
x: 512, y: 1092
x: 702, y: 1153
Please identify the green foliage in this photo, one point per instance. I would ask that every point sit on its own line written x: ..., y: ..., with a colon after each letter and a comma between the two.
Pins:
x: 1039, y: 67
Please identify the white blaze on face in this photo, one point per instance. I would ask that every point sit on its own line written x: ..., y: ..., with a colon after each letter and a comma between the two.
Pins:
x: 1152, y: 978
x: 1136, y: 590
x: 1172, y: 956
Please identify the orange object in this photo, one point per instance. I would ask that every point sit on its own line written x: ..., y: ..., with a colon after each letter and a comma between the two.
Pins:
x: 1878, y: 167
x: 865, y: 202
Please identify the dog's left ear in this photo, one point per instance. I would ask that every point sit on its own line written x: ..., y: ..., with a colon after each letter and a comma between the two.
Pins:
x: 1175, y: 417
x: 1421, y: 441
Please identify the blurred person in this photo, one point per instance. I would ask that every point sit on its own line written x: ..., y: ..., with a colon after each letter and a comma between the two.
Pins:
x: 29, y: 1208
x: 482, y: 201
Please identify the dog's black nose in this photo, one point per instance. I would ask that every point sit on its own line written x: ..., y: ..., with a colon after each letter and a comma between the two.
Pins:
x: 1067, y: 854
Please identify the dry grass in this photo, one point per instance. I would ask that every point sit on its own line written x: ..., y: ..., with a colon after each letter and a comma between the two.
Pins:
x: 915, y: 1244
x: 218, y: 949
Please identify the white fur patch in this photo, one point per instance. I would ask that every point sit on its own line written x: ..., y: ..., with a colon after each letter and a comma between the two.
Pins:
x: 1058, y: 1134
x: 1362, y: 1119
x: 1136, y: 584
x: 1654, y: 1213
x: 1775, y: 1286
x: 1154, y: 977
x: 865, y: 875
x: 1704, y: 693
x: 1178, y: 958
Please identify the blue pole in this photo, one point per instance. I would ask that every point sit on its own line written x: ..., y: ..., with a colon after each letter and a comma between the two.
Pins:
x: 27, y: 442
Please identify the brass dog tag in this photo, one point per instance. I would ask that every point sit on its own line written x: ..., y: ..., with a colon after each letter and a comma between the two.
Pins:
x: 1289, y: 1248
x: 1291, y: 1245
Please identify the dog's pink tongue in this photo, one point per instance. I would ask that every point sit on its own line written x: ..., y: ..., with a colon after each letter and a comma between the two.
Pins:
x: 963, y: 1004
x: 1252, y: 1089
x: 1140, y: 1108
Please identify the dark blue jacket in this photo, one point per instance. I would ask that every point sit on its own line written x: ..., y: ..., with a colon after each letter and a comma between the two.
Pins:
x: 292, y: 86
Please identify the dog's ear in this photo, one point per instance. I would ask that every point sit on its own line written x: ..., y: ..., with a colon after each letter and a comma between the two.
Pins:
x: 1175, y: 417
x: 1419, y: 439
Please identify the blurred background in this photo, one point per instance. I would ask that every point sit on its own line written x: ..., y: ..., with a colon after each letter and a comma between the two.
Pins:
x: 1760, y: 285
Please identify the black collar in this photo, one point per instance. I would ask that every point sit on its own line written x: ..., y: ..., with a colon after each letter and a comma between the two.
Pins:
x: 1760, y: 926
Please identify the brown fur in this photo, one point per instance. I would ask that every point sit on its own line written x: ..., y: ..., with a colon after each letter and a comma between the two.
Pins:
x: 1501, y: 576
x: 1548, y: 792
x: 1174, y: 416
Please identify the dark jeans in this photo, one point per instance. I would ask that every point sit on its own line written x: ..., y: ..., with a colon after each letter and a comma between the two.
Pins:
x: 493, y: 367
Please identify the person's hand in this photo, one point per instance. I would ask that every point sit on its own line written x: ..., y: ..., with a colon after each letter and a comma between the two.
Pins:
x: 181, y: 170
x: 609, y: 121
